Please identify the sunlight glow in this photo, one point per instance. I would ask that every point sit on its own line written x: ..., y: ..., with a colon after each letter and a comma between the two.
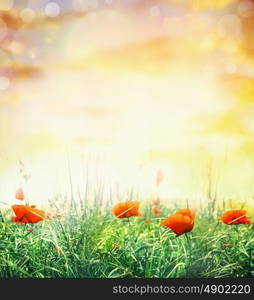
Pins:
x: 128, y: 91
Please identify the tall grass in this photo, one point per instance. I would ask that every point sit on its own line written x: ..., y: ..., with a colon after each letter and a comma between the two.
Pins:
x: 90, y: 242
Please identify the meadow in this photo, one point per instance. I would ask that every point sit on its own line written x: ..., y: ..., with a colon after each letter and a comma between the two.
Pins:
x: 88, y: 241
x: 138, y: 85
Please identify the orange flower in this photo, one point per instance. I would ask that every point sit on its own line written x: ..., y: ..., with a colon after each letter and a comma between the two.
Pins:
x: 156, y: 211
x: 20, y: 194
x: 159, y: 177
x: 126, y: 209
x: 233, y: 217
x: 226, y: 245
x: 27, y: 214
x: 30, y: 229
x: 147, y: 221
x: 156, y: 202
x: 115, y: 246
x: 186, y: 212
x: 180, y: 222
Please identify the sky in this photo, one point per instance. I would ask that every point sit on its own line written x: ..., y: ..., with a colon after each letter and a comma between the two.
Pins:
x: 115, y: 91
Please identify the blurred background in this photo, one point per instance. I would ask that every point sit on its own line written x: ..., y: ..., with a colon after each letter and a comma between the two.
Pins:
x: 149, y: 98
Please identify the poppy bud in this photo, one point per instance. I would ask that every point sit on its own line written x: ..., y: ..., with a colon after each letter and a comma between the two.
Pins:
x: 156, y: 211
x: 156, y: 202
x: 159, y: 178
x: 20, y: 194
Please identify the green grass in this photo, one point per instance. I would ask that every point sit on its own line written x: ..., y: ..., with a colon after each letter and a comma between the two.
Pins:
x: 82, y: 245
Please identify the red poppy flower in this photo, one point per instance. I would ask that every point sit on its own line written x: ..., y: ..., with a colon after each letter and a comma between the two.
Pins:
x: 180, y: 222
x: 186, y: 212
x: 27, y: 214
x: 156, y: 211
x: 20, y: 194
x: 233, y: 217
x: 126, y: 209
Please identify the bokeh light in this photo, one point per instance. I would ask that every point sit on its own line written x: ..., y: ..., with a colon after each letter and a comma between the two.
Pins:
x: 6, y: 4
x: 4, y: 83
x: 52, y: 9
x: 27, y: 14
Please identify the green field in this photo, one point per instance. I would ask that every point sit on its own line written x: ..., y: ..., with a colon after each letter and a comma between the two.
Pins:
x: 90, y: 242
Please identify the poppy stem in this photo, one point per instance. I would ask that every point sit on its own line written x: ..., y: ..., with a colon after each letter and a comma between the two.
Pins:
x: 250, y: 261
x: 1, y: 217
x: 189, y: 241
x: 129, y: 224
x: 237, y: 234
x: 236, y: 229
x: 188, y: 257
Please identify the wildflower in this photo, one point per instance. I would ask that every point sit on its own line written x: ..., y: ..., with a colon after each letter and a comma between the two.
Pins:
x: 126, y: 209
x: 156, y: 211
x: 30, y: 229
x: 180, y: 222
x: 147, y: 221
x: 27, y: 214
x: 20, y: 194
x: 159, y: 177
x: 156, y: 202
x: 226, y: 245
x: 115, y: 246
x: 186, y: 212
x: 233, y: 217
